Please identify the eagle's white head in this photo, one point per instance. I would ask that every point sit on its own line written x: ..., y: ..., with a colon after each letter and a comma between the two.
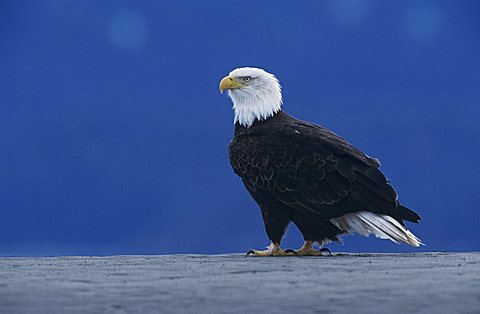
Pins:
x: 255, y: 93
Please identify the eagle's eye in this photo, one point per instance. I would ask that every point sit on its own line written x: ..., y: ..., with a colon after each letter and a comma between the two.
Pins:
x: 247, y: 79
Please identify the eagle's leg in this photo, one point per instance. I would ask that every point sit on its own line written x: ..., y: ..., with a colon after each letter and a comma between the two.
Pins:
x: 273, y: 249
x: 276, y: 220
x: 308, y: 250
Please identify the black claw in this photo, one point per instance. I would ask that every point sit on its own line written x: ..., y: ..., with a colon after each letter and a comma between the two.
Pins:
x: 250, y: 252
x: 325, y: 249
x: 290, y: 251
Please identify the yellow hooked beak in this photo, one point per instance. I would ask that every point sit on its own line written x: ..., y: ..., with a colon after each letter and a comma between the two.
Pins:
x: 229, y: 82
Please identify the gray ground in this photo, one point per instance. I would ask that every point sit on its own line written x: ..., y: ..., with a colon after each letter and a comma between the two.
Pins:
x: 424, y: 282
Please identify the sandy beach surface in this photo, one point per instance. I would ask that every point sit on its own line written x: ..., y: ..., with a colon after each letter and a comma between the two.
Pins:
x: 231, y: 283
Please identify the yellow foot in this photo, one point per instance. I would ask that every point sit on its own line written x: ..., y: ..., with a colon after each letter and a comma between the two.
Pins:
x: 308, y: 250
x: 272, y: 250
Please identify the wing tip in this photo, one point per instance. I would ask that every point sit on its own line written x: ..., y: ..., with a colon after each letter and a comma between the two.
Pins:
x: 408, y: 214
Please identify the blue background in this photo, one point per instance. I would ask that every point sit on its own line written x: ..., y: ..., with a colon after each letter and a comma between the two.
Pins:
x: 113, y: 134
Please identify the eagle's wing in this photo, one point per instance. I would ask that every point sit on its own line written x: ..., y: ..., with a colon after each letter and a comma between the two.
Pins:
x: 313, y: 170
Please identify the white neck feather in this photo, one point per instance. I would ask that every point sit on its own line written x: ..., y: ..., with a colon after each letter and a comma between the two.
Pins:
x: 256, y: 102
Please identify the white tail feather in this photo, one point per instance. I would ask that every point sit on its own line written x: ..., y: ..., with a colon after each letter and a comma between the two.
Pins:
x: 382, y: 226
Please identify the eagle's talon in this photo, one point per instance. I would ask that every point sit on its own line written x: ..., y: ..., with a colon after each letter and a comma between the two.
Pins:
x: 290, y: 251
x: 326, y: 250
x: 273, y: 249
x: 308, y: 250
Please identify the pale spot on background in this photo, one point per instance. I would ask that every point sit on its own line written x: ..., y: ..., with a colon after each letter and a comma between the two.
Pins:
x: 128, y: 29
x: 348, y: 12
x: 423, y: 20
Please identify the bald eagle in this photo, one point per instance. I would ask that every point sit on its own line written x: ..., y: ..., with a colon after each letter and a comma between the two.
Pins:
x: 303, y: 173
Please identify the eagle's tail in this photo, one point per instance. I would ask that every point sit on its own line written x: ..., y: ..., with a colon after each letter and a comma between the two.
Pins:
x: 382, y: 226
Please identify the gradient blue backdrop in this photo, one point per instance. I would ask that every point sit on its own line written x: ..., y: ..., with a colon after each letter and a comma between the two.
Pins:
x: 113, y: 134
